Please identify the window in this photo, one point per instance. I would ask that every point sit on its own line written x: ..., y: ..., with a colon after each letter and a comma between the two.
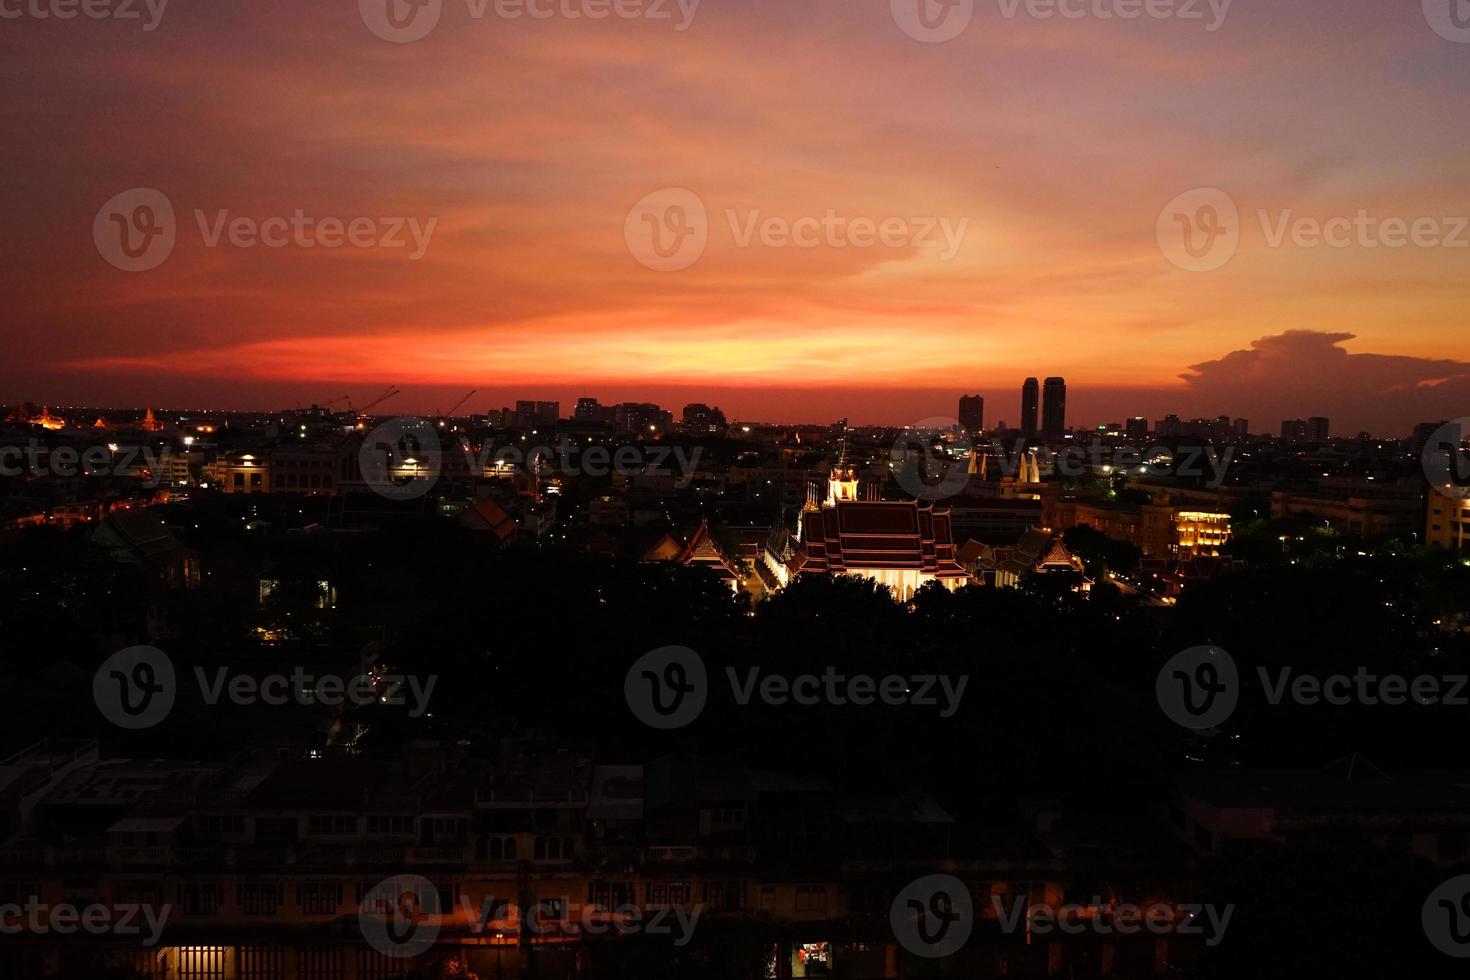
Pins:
x: 666, y: 893
x: 811, y: 898
x: 390, y: 824
x: 609, y: 895
x: 217, y: 823
x: 447, y: 892
x: 501, y: 848
x: 199, y: 898
x: 448, y: 825
x: 553, y: 849
x: 259, y: 897
x: 724, y: 895
x: 318, y: 897
x: 331, y: 824
x: 727, y: 817
x: 768, y: 898
x: 18, y: 892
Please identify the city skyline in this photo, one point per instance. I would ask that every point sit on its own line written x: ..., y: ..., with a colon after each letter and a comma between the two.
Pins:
x: 594, y: 489
x: 521, y: 192
x: 1002, y: 404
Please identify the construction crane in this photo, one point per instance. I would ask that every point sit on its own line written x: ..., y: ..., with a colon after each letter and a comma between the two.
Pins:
x: 443, y: 416
x: 387, y: 394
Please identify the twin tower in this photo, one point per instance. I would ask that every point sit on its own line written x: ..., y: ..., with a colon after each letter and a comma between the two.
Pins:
x: 1050, y: 399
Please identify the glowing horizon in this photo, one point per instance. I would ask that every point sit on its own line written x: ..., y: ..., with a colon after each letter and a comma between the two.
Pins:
x: 1022, y: 167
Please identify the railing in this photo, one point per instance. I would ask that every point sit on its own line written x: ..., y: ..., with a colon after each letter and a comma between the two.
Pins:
x: 674, y: 852
x: 140, y: 855
x: 447, y: 854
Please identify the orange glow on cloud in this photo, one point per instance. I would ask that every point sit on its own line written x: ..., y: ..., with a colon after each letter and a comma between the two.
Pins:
x: 1057, y: 143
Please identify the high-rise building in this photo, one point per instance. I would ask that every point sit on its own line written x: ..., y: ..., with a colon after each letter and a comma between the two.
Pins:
x: 642, y: 417
x: 699, y: 417
x: 1448, y: 522
x: 1242, y: 428
x: 1054, y: 409
x: 972, y: 414
x: 1137, y: 427
x: 530, y: 413
x: 1294, y: 430
x: 1317, y: 428
x: 1030, y: 398
x: 1425, y: 431
x: 587, y: 410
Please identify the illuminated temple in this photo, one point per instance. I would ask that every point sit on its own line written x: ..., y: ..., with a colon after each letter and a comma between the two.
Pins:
x: 900, y: 543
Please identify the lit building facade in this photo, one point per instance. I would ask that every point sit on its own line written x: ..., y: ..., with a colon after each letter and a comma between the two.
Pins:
x: 1448, y: 522
x: 904, y: 544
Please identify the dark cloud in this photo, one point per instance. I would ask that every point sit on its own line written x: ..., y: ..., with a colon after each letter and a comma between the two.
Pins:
x: 1309, y: 372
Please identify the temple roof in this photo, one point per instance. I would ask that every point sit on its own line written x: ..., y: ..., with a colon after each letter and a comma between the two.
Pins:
x: 703, y: 550
x: 897, y: 534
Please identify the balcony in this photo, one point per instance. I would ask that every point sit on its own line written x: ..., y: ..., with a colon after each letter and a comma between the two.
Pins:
x: 151, y: 855
x: 672, y: 853
x: 441, y: 854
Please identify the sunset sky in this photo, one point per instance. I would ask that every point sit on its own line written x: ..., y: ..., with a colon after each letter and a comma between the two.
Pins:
x: 1056, y: 143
